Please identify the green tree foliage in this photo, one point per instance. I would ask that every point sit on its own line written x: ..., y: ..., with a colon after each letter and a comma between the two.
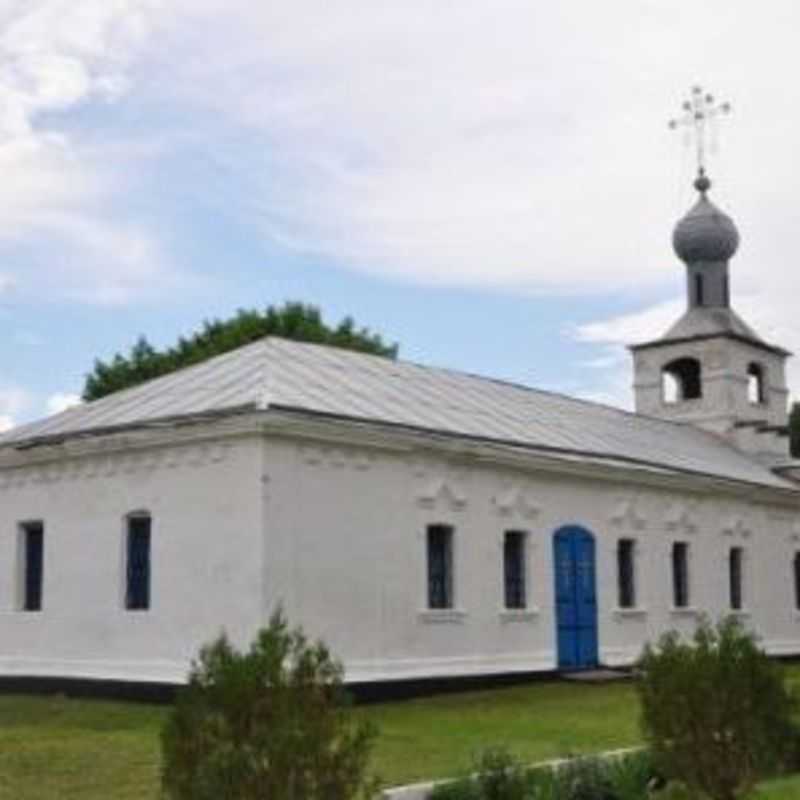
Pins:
x: 296, y: 321
x: 272, y: 722
x: 794, y: 430
x: 715, y: 710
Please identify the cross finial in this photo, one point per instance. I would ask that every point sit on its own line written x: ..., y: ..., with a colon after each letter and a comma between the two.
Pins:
x: 698, y: 110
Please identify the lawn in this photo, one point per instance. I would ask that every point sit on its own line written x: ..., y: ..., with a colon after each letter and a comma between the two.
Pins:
x: 785, y: 789
x: 53, y: 748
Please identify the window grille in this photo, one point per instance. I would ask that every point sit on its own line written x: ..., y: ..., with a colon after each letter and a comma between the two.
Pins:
x: 735, y: 575
x: 440, y: 567
x: 796, y: 566
x: 137, y: 594
x: 680, y: 575
x: 514, y: 569
x: 626, y: 578
x: 33, y: 570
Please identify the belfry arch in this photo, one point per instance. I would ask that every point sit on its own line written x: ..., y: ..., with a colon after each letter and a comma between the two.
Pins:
x: 756, y: 389
x: 681, y: 379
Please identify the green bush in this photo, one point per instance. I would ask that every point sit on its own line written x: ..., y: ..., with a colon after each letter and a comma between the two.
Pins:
x: 272, y: 722
x: 632, y: 776
x: 715, y: 710
x: 499, y: 776
x: 584, y: 779
x: 460, y: 789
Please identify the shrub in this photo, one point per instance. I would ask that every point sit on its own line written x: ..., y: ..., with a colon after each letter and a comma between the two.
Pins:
x: 271, y: 722
x: 584, y: 779
x: 499, y: 776
x: 461, y: 789
x: 715, y: 711
x: 632, y: 776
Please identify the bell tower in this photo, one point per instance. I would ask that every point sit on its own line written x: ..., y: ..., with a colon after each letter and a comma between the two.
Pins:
x: 711, y: 369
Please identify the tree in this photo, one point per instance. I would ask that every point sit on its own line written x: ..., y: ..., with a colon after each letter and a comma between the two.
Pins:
x: 272, y: 722
x: 296, y: 321
x: 794, y: 430
x: 715, y: 710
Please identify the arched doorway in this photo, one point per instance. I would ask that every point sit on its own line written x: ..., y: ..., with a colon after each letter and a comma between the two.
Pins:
x: 576, y: 598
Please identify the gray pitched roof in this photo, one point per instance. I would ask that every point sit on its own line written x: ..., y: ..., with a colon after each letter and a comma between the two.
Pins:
x: 323, y: 380
x: 706, y: 322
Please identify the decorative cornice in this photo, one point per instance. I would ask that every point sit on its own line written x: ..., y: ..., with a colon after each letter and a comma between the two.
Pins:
x: 400, y: 439
x: 627, y: 514
x: 336, y: 457
x: 75, y: 468
x: 682, y: 517
x: 737, y: 528
x: 439, y: 486
x: 513, y: 500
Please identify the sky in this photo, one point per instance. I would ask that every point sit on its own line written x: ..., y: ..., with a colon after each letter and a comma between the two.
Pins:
x: 490, y: 183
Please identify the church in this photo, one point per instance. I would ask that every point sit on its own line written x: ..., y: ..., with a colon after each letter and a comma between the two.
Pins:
x: 423, y: 522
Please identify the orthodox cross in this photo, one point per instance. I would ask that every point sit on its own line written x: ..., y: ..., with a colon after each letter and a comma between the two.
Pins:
x: 698, y: 111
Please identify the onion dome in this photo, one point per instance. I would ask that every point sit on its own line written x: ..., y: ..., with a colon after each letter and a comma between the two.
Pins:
x: 705, y: 234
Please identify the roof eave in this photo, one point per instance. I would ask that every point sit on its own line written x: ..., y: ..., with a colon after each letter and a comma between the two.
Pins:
x: 701, y: 337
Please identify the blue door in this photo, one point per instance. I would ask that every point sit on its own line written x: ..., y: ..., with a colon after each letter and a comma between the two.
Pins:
x: 576, y: 598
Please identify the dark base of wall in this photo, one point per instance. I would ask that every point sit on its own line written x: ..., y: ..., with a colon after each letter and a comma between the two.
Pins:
x: 84, y: 687
x: 361, y: 693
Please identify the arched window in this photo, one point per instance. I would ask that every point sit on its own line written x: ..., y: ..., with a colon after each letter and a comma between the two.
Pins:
x: 681, y: 380
x: 755, y: 384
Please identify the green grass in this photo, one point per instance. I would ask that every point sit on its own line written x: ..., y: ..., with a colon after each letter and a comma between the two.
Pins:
x: 52, y: 748
x: 436, y: 737
x: 783, y: 789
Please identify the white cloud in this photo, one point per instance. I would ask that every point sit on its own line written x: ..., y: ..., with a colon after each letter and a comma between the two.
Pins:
x: 14, y: 402
x: 61, y: 401
x: 505, y: 144
x: 490, y: 144
x: 58, y: 197
x: 773, y: 316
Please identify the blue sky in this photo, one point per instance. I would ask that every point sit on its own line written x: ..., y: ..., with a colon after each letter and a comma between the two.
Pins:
x: 490, y: 184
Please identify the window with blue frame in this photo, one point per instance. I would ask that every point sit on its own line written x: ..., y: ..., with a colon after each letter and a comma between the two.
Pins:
x: 137, y: 572
x: 514, y: 569
x: 735, y: 569
x: 626, y: 573
x: 796, y: 575
x: 32, y: 565
x: 680, y: 575
x: 440, y: 566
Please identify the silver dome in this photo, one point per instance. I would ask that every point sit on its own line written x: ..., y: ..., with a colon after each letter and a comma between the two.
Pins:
x: 705, y: 234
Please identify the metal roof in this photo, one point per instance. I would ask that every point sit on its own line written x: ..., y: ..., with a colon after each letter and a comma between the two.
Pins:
x: 317, y: 379
x: 708, y: 322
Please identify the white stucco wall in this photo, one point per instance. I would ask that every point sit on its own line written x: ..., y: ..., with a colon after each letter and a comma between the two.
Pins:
x: 345, y: 531
x: 206, y: 559
x: 246, y: 519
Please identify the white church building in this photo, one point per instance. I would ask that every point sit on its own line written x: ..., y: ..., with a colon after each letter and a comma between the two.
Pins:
x: 423, y: 521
